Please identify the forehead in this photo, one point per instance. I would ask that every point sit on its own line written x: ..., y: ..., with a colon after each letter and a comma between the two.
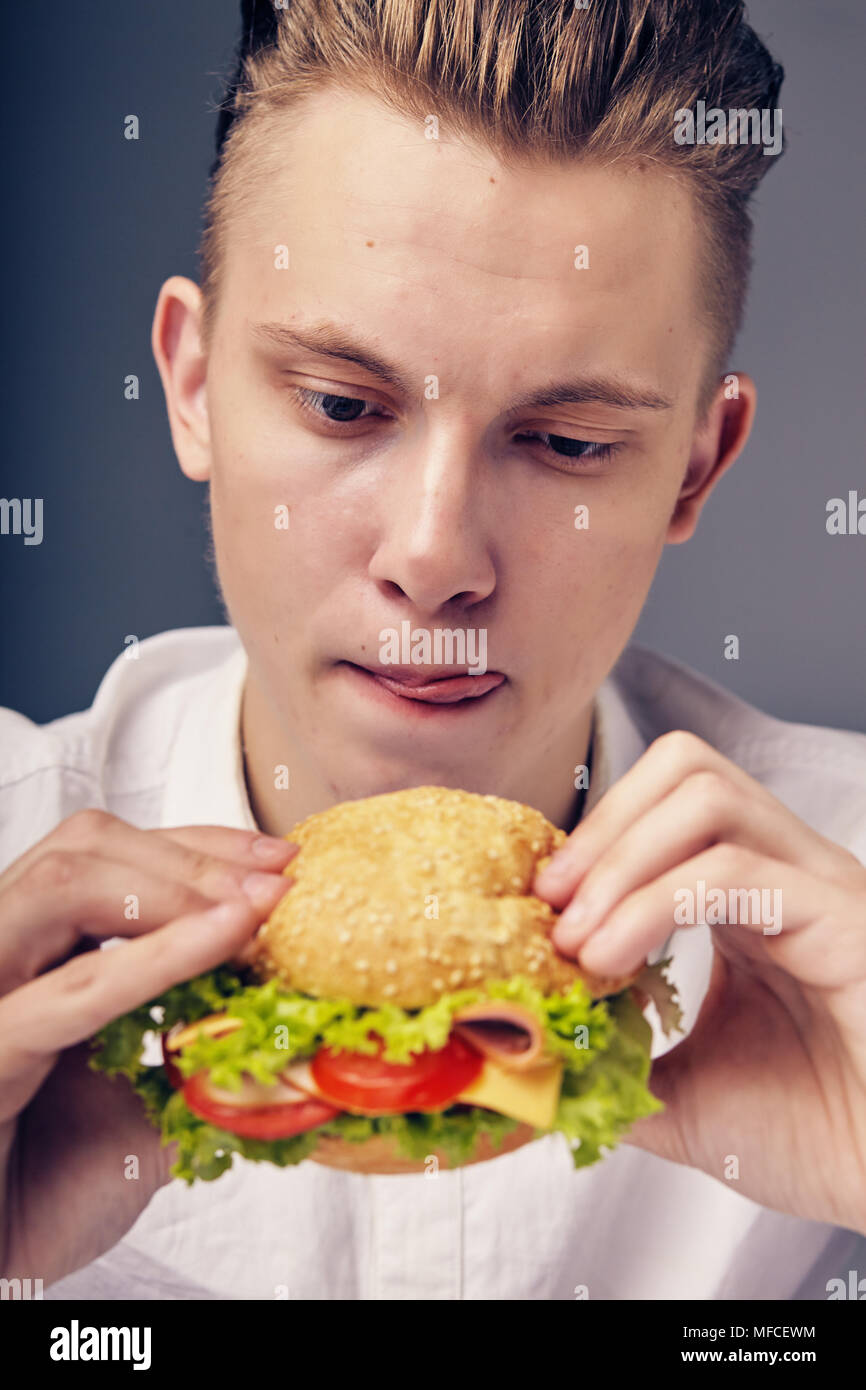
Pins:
x: 406, y: 235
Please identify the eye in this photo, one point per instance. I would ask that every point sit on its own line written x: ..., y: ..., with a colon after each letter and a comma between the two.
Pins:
x: 564, y: 447
x: 334, y: 409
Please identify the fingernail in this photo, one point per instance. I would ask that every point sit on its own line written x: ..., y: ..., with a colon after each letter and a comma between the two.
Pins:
x: 272, y: 850
x: 600, y: 955
x: 555, y: 870
x: 262, y: 889
x: 572, y: 925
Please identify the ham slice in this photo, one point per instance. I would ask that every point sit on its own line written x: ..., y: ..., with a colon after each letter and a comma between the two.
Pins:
x: 507, y: 1033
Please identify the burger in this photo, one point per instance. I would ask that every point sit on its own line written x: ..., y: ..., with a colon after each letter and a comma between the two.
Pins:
x: 402, y: 1009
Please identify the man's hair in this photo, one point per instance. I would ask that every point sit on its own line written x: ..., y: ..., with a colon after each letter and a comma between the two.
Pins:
x: 536, y: 82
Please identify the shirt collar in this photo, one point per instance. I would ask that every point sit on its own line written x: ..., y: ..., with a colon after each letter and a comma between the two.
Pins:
x: 206, y: 783
x: 617, y: 743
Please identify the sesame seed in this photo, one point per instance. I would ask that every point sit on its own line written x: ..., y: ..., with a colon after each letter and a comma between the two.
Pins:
x: 362, y: 965
x: 389, y: 989
x: 391, y: 967
x: 344, y: 936
x: 475, y: 958
x: 455, y: 977
x: 438, y: 984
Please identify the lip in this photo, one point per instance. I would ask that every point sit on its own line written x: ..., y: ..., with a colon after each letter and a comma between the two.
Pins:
x: 426, y: 688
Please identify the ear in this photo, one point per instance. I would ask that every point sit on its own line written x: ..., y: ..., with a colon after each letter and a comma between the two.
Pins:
x: 717, y: 442
x: 176, y: 343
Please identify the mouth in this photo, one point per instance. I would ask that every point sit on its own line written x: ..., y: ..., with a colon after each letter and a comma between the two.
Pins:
x: 430, y: 687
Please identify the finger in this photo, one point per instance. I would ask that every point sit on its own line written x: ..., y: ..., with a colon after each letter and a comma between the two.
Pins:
x: 245, y: 847
x: 190, y: 858
x: 705, y: 809
x: 64, y: 1006
x: 65, y: 896
x: 757, y: 906
x: 666, y: 763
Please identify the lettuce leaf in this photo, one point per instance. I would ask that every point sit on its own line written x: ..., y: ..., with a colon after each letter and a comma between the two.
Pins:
x: 604, y: 1046
x: 653, y: 982
x: 596, y: 1107
x: 205, y: 1152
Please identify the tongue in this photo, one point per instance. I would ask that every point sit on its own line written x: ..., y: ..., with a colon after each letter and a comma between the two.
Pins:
x: 444, y: 692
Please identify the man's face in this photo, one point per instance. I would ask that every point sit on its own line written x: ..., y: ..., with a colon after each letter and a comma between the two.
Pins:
x: 441, y: 501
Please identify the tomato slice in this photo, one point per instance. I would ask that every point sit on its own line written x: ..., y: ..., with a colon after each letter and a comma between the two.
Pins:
x: 369, y: 1086
x: 255, y: 1121
x: 174, y: 1074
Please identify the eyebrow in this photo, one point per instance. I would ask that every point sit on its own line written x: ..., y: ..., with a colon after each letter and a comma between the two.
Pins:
x: 329, y: 340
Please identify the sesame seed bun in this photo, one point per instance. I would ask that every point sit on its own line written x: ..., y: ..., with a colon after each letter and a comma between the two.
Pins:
x: 407, y: 896
x: 404, y: 897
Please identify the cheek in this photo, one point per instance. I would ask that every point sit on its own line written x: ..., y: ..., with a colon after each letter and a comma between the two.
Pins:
x: 581, y: 589
x: 605, y: 536
x: 283, y: 538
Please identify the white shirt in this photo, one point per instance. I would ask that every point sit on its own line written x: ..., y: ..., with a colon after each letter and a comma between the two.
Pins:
x: 160, y: 746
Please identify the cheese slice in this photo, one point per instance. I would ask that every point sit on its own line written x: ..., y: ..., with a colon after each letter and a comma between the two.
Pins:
x: 531, y: 1096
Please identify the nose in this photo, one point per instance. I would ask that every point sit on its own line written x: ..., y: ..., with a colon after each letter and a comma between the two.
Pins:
x: 435, y: 540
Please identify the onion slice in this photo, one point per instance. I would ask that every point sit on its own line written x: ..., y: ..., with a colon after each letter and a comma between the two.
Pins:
x: 213, y: 1026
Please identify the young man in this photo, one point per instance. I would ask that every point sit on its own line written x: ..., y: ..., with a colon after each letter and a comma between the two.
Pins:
x: 457, y: 362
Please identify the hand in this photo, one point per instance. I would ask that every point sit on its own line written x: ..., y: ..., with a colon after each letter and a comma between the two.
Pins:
x: 773, y: 1074
x: 66, y: 1131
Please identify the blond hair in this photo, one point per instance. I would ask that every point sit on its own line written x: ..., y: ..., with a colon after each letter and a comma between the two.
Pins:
x: 534, y: 81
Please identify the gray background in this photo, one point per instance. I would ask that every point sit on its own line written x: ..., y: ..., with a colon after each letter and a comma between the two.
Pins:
x: 96, y: 223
